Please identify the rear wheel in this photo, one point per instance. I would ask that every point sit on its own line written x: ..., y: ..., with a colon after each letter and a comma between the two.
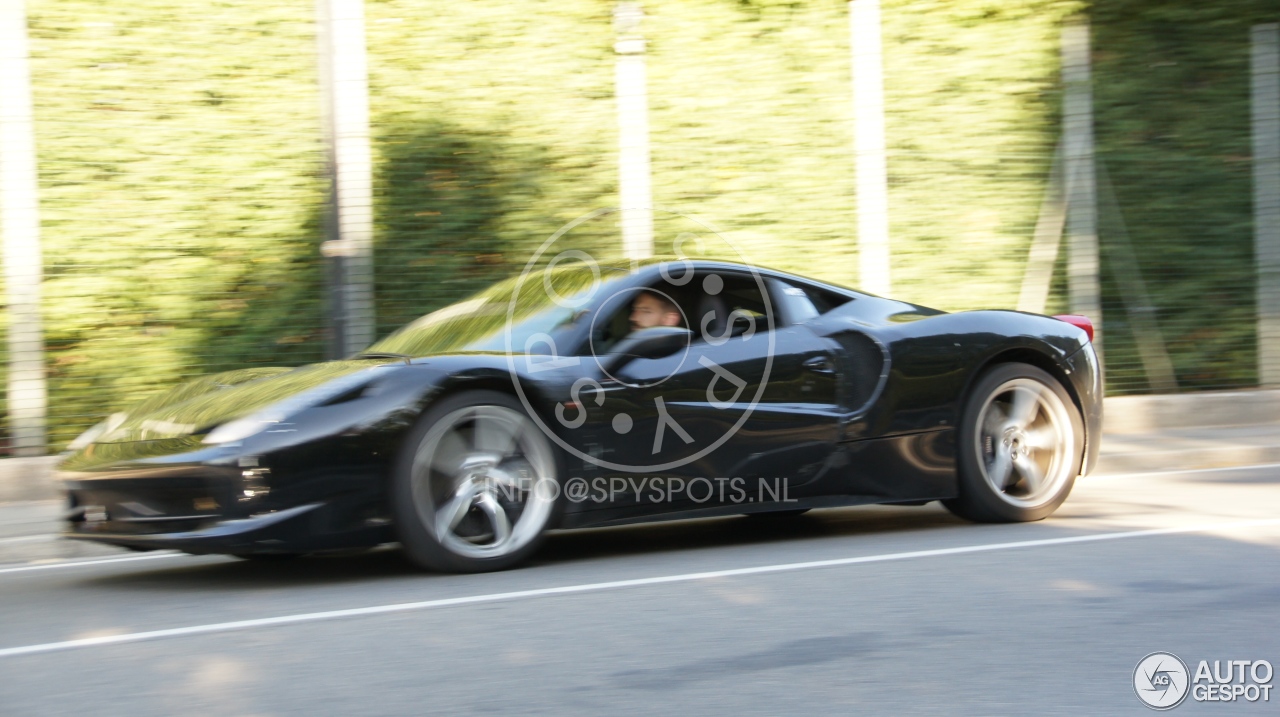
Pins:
x: 475, y: 485
x: 1020, y: 446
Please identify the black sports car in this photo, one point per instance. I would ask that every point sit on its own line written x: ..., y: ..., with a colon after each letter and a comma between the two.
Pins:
x: 597, y: 394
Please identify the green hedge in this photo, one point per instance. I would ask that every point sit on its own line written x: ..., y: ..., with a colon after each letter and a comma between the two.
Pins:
x: 183, y: 191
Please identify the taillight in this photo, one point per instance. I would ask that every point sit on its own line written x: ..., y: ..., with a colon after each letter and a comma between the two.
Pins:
x: 1080, y: 322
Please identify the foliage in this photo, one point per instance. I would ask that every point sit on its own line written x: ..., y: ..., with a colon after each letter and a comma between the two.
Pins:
x: 183, y: 186
x: 178, y: 149
x: 1172, y: 100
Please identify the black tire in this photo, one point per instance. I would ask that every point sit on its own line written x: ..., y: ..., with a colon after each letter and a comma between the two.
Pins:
x: 994, y: 442
x: 421, y: 492
x: 267, y: 557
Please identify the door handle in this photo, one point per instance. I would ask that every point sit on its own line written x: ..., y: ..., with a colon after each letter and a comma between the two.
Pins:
x: 819, y: 364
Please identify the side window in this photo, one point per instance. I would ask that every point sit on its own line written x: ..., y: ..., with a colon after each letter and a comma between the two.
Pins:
x: 824, y: 300
x: 792, y: 303
x: 798, y: 303
x: 723, y: 305
x: 714, y: 305
x: 639, y: 307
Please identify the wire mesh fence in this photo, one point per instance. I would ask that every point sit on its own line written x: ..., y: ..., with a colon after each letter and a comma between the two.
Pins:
x: 183, y: 179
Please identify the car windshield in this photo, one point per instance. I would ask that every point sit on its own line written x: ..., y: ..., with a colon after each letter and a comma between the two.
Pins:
x: 549, y: 303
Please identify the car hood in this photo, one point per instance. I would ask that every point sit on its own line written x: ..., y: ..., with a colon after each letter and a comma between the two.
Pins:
x: 199, y: 406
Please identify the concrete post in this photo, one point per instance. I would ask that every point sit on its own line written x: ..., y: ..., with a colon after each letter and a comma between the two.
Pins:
x: 869, y: 146
x: 345, y: 93
x: 1083, y: 263
x: 634, y: 179
x: 1266, y: 196
x: 20, y: 217
x: 1037, y: 279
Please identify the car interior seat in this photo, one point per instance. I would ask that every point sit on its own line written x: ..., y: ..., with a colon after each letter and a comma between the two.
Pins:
x: 711, y: 317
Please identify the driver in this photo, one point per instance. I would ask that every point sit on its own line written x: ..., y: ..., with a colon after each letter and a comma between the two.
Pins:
x: 650, y: 309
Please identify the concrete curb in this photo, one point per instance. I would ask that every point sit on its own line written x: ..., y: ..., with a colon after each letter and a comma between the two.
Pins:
x: 1188, y: 459
x: 1125, y: 415
x: 24, y: 479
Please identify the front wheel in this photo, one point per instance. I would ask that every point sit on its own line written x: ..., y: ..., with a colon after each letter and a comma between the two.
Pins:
x: 1020, y: 446
x: 475, y: 485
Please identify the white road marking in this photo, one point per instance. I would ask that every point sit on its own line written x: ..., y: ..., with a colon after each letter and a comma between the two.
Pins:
x: 1108, y: 476
x: 45, y: 538
x: 83, y: 563
x: 613, y: 585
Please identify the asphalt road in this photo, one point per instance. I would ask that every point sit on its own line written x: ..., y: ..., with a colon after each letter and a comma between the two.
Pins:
x: 855, y: 611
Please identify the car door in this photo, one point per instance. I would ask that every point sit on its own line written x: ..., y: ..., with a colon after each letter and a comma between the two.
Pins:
x: 875, y: 462
x: 745, y: 415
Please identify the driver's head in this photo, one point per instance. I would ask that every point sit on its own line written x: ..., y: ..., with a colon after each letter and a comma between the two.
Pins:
x: 651, y: 309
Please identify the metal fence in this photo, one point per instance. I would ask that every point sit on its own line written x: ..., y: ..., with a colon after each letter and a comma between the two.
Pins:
x: 183, y: 186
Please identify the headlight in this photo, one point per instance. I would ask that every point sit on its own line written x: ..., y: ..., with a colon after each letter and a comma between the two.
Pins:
x: 241, y: 428
x: 254, y: 423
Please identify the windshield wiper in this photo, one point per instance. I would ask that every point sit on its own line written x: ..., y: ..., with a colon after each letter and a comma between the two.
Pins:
x: 382, y: 355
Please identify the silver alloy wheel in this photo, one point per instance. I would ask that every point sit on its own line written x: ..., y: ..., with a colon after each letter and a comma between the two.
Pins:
x: 483, y: 481
x: 1025, y: 442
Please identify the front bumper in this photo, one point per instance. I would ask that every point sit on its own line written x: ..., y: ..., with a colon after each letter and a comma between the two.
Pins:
x: 270, y: 532
x: 223, y: 502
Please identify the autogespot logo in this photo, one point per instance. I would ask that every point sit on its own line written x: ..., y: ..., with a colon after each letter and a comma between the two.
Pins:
x: 717, y: 319
x: 1161, y: 680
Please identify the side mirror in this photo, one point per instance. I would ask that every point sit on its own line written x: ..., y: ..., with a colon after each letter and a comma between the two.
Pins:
x: 652, y: 343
